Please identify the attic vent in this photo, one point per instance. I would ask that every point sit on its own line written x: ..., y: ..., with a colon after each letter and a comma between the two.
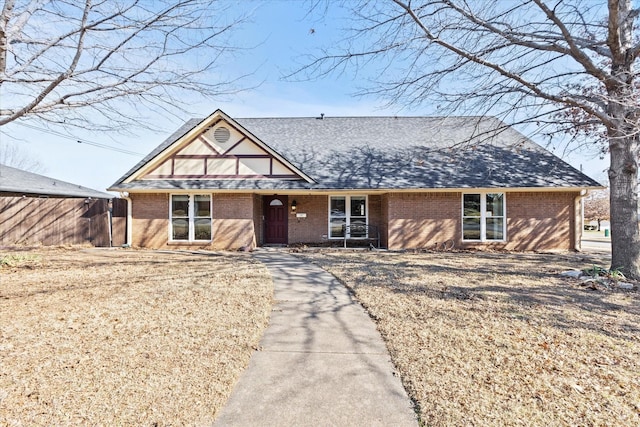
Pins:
x: 221, y: 134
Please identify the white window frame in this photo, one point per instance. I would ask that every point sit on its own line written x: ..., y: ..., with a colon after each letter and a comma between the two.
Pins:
x: 484, y: 216
x: 191, y: 218
x: 347, y: 209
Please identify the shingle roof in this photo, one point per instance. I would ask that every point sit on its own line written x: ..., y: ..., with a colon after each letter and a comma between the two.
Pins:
x: 392, y: 153
x: 14, y: 180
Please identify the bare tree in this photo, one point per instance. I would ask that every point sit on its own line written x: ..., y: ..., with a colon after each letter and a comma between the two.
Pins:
x: 97, y: 63
x: 14, y: 155
x: 596, y: 206
x: 563, y: 66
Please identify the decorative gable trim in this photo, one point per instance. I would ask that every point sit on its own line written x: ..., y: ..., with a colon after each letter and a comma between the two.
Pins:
x: 201, y: 154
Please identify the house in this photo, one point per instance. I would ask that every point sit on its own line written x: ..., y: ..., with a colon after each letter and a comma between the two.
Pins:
x: 35, y: 209
x: 228, y: 183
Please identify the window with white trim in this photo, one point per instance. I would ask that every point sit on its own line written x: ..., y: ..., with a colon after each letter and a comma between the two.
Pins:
x: 347, y: 211
x: 483, y: 217
x: 190, y: 217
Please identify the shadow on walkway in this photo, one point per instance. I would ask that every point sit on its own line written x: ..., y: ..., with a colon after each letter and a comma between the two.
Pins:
x: 321, y: 360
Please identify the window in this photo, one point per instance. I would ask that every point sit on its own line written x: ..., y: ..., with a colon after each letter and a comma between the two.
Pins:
x: 347, y: 211
x: 483, y: 216
x: 190, y: 217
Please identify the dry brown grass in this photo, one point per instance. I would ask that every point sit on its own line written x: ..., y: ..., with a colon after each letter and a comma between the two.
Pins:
x: 500, y: 339
x: 122, y: 337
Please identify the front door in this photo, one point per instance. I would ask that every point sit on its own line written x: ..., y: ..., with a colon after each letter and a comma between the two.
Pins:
x: 275, y: 220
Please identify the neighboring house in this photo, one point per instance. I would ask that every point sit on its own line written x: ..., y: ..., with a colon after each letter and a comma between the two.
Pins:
x: 35, y: 209
x: 230, y: 183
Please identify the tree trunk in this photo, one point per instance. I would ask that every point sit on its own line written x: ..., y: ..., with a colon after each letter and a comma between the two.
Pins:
x: 624, y: 141
x: 623, y: 178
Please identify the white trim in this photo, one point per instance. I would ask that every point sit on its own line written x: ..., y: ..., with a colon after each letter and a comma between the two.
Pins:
x: 191, y: 218
x: 370, y: 191
x: 347, y: 213
x: 483, y: 216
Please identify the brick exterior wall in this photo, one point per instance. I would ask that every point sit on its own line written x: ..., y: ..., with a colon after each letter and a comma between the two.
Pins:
x: 233, y: 221
x: 420, y: 220
x: 150, y: 220
x: 541, y: 221
x: 384, y: 220
x: 535, y: 220
x: 232, y: 224
x: 258, y: 221
x: 313, y: 228
x: 375, y: 214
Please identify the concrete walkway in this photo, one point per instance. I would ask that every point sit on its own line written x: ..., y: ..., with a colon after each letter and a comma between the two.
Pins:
x: 321, y: 361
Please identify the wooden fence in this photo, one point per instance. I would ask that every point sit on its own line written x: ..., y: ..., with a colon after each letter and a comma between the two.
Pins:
x: 54, y: 221
x: 119, y: 222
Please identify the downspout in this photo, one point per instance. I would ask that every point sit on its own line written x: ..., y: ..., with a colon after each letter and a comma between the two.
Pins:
x: 129, y: 238
x: 579, y: 219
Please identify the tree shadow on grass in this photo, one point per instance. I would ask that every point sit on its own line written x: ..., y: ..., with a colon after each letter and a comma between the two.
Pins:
x: 524, y: 285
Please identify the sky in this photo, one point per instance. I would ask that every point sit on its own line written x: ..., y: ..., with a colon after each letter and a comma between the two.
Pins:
x: 280, y: 33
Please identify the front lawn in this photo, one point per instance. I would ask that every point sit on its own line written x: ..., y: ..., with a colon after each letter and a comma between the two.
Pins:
x: 123, y: 337
x: 494, y: 339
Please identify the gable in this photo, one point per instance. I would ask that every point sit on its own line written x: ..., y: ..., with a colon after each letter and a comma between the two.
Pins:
x: 381, y: 153
x: 218, y: 150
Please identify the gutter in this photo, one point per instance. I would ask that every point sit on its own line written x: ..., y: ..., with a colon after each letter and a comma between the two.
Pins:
x: 324, y: 191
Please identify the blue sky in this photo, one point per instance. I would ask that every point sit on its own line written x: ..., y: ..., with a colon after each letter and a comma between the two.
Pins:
x: 281, y: 31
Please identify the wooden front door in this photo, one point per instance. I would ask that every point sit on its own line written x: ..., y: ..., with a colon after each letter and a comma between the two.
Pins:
x: 276, y: 220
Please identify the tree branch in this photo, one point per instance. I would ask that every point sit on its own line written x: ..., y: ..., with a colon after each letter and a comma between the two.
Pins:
x: 574, y: 51
x: 532, y: 88
x: 6, y: 13
x: 61, y: 77
x: 126, y: 48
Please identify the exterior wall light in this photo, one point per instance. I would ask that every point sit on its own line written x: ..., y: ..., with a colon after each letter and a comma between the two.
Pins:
x: 294, y: 206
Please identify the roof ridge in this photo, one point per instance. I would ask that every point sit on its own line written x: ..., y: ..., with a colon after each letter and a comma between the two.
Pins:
x: 361, y: 117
